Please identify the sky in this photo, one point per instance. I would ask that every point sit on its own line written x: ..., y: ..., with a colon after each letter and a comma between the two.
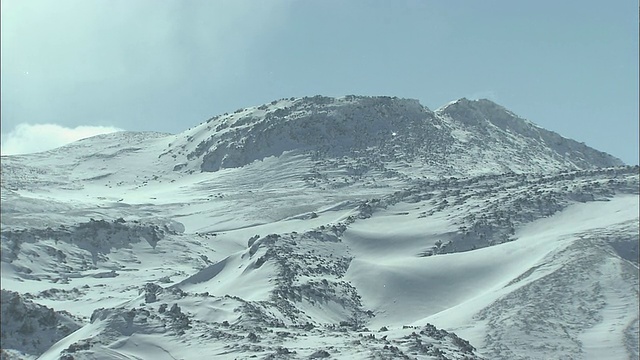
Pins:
x: 74, y: 68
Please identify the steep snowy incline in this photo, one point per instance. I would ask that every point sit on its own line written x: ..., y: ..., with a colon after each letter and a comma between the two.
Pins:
x: 559, y: 285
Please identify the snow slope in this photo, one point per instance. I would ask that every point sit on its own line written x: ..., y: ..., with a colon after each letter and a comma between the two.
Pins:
x: 321, y: 227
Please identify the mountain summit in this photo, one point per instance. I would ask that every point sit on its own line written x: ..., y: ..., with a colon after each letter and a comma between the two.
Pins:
x: 461, y: 137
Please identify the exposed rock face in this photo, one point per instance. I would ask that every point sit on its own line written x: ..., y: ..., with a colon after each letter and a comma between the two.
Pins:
x: 31, y: 328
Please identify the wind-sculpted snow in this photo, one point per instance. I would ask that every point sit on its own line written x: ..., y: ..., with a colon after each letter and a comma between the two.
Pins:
x: 349, y: 228
x: 169, y: 332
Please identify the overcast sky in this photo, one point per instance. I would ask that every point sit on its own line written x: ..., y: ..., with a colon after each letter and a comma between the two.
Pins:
x: 85, y: 67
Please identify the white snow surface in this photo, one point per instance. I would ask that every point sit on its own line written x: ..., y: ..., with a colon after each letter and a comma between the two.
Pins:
x: 290, y: 253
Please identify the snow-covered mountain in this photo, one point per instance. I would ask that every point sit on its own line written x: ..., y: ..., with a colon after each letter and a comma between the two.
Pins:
x: 380, y: 132
x: 354, y: 227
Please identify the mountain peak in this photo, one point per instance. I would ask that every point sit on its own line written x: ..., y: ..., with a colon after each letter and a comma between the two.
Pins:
x: 390, y: 129
x: 467, y: 103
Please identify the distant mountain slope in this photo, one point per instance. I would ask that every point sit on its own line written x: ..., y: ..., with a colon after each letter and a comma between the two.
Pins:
x: 364, y: 137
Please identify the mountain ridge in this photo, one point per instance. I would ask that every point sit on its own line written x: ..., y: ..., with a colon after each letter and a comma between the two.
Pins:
x: 403, y: 129
x: 342, y: 126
